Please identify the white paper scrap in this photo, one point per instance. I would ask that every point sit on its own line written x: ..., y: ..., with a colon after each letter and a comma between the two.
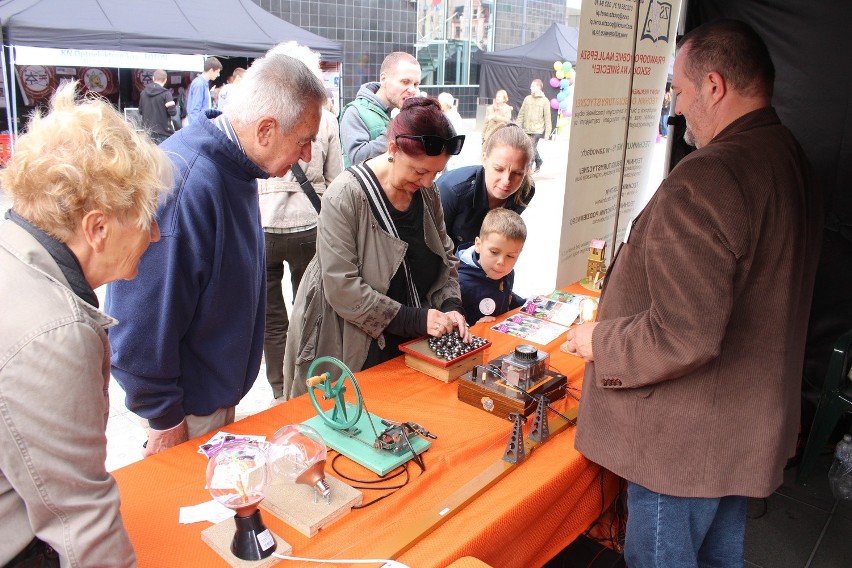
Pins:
x: 212, y: 511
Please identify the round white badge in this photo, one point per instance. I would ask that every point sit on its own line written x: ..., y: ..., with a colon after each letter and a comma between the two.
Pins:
x: 487, y: 306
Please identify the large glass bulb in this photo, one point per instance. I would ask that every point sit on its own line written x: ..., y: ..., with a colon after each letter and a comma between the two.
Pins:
x: 297, y: 453
x: 237, y: 477
x: 588, y: 310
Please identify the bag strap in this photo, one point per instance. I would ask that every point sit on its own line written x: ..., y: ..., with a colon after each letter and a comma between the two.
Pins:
x: 306, y: 186
x: 380, y: 211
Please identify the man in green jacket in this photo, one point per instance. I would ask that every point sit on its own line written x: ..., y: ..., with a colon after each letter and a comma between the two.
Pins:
x: 363, y: 122
x: 534, y: 118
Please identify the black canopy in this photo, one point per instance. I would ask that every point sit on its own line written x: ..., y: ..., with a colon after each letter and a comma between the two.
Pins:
x: 236, y: 28
x: 514, y: 69
x: 810, y: 45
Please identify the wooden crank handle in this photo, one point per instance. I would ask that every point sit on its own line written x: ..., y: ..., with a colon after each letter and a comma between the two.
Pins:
x: 314, y: 381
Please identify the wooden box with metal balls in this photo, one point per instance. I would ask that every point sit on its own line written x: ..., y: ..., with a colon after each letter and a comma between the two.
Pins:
x: 445, y: 358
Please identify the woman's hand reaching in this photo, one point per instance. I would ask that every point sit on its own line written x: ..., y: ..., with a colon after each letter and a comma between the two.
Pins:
x: 438, y: 323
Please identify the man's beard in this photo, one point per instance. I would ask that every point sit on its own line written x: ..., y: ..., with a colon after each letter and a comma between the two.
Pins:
x: 689, y: 136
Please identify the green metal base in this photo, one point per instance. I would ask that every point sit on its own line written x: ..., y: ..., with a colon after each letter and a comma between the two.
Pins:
x: 380, y: 461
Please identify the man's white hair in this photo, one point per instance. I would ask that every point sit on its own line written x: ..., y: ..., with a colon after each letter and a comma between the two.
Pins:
x: 275, y: 85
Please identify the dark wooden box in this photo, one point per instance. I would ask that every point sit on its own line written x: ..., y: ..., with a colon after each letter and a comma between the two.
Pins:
x: 501, y: 399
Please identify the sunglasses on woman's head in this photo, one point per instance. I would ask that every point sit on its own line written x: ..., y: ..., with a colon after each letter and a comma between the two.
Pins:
x: 435, y: 145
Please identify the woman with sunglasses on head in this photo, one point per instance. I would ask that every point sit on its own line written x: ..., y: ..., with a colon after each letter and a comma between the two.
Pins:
x: 503, y: 180
x: 384, y: 271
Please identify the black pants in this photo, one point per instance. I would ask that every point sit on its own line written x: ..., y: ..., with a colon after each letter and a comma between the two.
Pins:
x: 297, y: 250
x: 37, y: 554
x: 535, y: 138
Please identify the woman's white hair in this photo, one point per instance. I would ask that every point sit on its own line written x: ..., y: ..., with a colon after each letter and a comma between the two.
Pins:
x: 275, y: 85
x: 301, y: 52
x: 447, y: 101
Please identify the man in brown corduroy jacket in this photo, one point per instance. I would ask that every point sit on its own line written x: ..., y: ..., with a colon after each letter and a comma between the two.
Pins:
x: 692, y: 384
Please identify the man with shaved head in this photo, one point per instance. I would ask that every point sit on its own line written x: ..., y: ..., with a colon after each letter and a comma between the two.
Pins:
x: 365, y: 120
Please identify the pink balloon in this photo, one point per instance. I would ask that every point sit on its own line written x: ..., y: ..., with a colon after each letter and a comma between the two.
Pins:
x: 554, y: 82
x: 554, y: 103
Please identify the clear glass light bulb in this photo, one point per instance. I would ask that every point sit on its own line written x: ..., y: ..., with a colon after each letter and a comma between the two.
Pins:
x: 297, y: 453
x: 237, y: 476
x: 588, y: 309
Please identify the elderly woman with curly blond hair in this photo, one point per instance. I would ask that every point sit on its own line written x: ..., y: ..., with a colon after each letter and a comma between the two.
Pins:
x: 84, y: 187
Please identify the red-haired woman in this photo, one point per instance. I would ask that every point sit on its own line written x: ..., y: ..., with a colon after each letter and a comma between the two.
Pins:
x: 384, y: 271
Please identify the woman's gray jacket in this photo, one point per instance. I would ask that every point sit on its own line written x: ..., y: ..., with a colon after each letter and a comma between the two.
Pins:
x: 341, y: 304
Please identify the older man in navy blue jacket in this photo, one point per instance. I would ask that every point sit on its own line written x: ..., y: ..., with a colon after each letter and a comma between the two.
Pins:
x: 190, y: 337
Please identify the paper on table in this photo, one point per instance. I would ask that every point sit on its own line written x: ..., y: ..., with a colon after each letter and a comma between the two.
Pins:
x: 532, y: 329
x: 214, y: 444
x: 212, y: 511
x: 549, y: 309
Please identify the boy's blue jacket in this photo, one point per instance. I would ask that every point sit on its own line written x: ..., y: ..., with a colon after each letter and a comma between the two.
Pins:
x: 482, y: 293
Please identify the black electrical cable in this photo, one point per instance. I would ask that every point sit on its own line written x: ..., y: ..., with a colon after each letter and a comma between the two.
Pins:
x: 765, y: 502
x: 365, y: 484
x: 494, y: 370
x: 567, y: 385
x: 550, y: 408
x: 387, y: 477
x: 615, y: 536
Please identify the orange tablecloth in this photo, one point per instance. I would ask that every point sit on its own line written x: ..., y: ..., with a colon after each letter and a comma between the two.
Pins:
x: 522, y: 521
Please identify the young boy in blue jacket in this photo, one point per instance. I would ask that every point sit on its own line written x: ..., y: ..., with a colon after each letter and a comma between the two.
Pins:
x: 487, y: 269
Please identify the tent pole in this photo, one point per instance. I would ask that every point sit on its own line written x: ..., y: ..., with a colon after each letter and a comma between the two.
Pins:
x: 13, y: 128
x: 626, y: 130
x: 6, y: 92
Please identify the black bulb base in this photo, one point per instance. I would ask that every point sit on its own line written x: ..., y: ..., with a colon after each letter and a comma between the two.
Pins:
x: 252, y: 541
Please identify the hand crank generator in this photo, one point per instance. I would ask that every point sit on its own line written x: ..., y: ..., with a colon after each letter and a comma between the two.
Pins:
x: 348, y: 427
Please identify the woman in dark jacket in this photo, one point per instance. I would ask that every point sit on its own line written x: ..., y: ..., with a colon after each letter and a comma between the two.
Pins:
x: 502, y: 180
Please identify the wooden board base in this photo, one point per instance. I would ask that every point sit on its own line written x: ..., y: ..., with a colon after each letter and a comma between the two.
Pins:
x: 406, y: 536
x: 219, y: 538
x: 294, y: 504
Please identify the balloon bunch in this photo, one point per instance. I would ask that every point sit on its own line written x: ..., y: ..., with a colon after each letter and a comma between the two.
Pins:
x: 564, y: 81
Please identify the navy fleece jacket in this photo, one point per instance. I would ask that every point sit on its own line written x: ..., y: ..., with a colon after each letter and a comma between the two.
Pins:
x: 191, y: 324
x: 482, y: 296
